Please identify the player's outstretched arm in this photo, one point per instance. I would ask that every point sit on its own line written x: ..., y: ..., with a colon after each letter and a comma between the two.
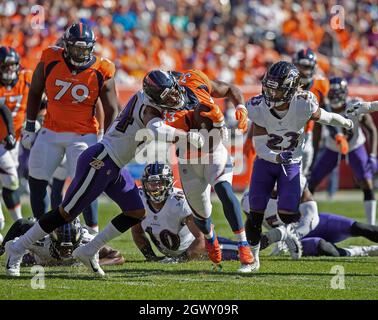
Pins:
x: 109, y: 102
x: 197, y: 247
x: 332, y: 119
x: 368, y: 123
x: 142, y: 242
x: 362, y: 107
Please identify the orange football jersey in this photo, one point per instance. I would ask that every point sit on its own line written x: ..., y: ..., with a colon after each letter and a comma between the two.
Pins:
x: 72, y: 94
x: 15, y: 99
x: 320, y: 88
x: 198, y: 90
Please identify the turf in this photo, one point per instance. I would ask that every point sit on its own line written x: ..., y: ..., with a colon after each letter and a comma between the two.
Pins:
x: 279, y: 277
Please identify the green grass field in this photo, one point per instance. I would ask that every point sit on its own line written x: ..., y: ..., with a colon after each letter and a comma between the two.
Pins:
x: 279, y: 277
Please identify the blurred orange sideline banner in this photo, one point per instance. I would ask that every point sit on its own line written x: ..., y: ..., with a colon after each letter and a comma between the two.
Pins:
x: 241, y: 181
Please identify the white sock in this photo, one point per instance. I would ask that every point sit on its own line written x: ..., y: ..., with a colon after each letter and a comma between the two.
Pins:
x: 110, y: 232
x: 370, y: 211
x: 240, y: 236
x: 2, y: 219
x: 276, y: 234
x: 309, y: 218
x: 16, y: 212
x: 92, y: 230
x: 256, y: 251
x: 34, y: 234
x: 355, y: 251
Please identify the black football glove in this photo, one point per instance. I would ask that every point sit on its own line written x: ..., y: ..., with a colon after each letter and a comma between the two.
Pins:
x: 9, y: 142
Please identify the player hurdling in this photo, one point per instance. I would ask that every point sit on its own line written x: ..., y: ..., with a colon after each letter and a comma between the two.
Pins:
x: 279, y: 116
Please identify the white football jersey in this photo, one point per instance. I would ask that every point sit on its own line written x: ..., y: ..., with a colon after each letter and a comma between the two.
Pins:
x: 167, y: 228
x: 43, y: 255
x: 123, y: 138
x: 355, y: 136
x: 286, y: 133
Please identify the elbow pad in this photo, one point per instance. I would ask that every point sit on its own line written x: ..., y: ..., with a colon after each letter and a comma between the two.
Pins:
x: 262, y: 149
x: 162, y: 131
x: 334, y: 119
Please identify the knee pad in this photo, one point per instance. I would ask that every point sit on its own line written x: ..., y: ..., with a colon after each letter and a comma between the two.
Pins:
x: 368, y: 194
x: 289, y: 218
x: 11, y: 198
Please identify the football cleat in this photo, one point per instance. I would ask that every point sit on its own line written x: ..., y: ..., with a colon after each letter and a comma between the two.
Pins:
x: 214, y: 251
x: 255, y: 266
x: 14, y: 259
x: 90, y: 261
x: 245, y: 254
x: 293, y: 244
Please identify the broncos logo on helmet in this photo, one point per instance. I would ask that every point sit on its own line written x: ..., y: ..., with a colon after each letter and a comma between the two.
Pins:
x: 157, y: 182
x: 78, y: 43
x: 163, y: 90
x: 9, y: 65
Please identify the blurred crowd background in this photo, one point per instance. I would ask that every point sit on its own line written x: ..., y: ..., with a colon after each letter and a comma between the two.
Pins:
x: 232, y: 40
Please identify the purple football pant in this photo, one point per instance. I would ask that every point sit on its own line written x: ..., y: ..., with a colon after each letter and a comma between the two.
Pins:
x: 95, y: 173
x: 265, y: 175
x: 331, y: 228
x: 358, y: 160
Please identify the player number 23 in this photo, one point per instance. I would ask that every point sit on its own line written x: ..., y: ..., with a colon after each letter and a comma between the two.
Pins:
x: 79, y: 91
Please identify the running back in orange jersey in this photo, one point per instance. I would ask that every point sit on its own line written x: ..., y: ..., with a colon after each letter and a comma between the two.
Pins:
x: 72, y: 93
x: 198, y: 90
x: 15, y: 98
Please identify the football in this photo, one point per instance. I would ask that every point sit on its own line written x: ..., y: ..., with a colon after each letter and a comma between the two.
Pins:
x: 201, y: 122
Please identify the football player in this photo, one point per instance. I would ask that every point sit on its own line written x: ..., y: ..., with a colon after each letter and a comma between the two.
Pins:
x: 14, y: 88
x: 100, y: 168
x: 349, y: 144
x: 73, y: 79
x: 169, y: 221
x: 306, y: 62
x: 212, y: 167
x: 279, y: 117
x: 57, y: 247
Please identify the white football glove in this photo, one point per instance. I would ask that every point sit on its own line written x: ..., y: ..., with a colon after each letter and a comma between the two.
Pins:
x: 358, y: 108
x: 28, y: 139
x: 196, y: 139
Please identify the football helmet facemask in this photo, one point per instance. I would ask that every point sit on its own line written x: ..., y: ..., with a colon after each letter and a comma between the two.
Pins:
x: 78, y: 43
x: 280, y: 83
x: 9, y: 65
x: 305, y: 61
x: 157, y: 182
x: 65, y: 239
x: 163, y: 90
x: 338, y: 92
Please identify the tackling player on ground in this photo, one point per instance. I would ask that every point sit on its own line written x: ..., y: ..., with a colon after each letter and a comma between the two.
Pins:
x: 100, y: 168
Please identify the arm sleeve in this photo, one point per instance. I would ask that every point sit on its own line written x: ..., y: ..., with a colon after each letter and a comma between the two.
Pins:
x: 334, y: 119
x: 262, y: 149
x: 7, y: 118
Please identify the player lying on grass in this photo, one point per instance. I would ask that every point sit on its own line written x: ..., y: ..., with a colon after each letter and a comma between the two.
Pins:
x: 56, y: 248
x: 349, y: 144
x: 318, y: 233
x: 169, y: 222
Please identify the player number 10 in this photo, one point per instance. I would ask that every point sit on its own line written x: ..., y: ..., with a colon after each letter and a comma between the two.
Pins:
x: 79, y: 91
